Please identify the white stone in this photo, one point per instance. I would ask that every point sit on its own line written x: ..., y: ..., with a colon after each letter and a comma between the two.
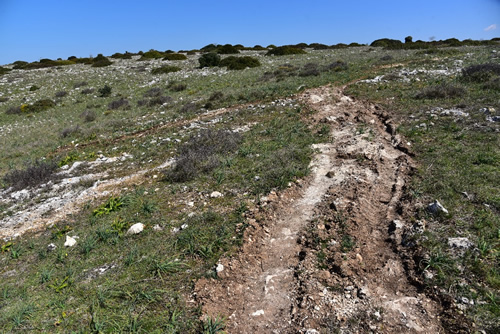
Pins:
x: 70, y: 242
x: 257, y: 313
x: 436, y: 208
x: 51, y: 247
x: 136, y: 228
x: 157, y: 228
x: 184, y: 226
x: 463, y: 243
x: 215, y: 194
x: 219, y: 268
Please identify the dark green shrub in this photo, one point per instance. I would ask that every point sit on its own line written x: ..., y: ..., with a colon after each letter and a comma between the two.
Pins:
x: 493, y: 84
x: 202, y: 153
x: 61, y: 93
x: 125, y: 55
x: 387, y: 43
x: 4, y: 70
x: 38, y: 106
x: 4, y: 99
x: 285, y: 50
x: 19, y: 64
x: 13, y: 110
x: 189, y: 107
x: 239, y: 63
x: 480, y: 73
x: 153, y: 92
x: 442, y: 91
x: 337, y: 66
x: 117, y: 104
x: 318, y: 46
x: 227, y: 49
x: 151, y: 54
x: 104, y: 91
x: 209, y: 48
x: 177, y: 87
x: 70, y: 131
x: 309, y: 69
x: 33, y: 88
x: 101, y: 61
x: 80, y: 84
x: 408, y: 39
x: 87, y: 91
x: 165, y: 69
x: 175, y: 56
x: 210, y: 59
x: 33, y: 174
x: 88, y: 115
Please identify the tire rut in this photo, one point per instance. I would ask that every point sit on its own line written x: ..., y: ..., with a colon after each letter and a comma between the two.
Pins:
x: 338, y: 220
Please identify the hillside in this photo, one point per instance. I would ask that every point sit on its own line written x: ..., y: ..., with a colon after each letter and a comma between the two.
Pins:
x: 277, y: 190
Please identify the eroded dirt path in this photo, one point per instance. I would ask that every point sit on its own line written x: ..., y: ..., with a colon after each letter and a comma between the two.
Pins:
x: 318, y: 258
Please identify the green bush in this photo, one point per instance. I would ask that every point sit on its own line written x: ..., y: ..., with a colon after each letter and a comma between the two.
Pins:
x: 175, y: 56
x: 442, y: 91
x: 210, y: 59
x: 239, y: 63
x: 104, y: 91
x: 40, y: 105
x: 151, y: 54
x: 33, y: 174
x: 165, y: 69
x: 19, y: 64
x: 285, y: 50
x: 101, y: 61
x: 227, y: 49
x: 480, y: 73
x: 387, y: 43
x: 4, y: 70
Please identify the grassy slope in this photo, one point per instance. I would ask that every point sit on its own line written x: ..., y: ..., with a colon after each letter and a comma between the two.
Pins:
x: 151, y: 274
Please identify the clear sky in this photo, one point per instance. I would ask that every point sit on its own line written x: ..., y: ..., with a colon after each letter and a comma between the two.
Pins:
x: 35, y: 29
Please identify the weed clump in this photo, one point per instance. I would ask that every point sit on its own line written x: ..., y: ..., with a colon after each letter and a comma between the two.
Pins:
x: 174, y: 56
x: 38, y: 106
x: 165, y: 69
x: 70, y: 131
x: 153, y: 92
x: 87, y: 91
x: 309, y: 69
x: 285, y: 50
x: 202, y: 153
x: 62, y: 93
x: 239, y: 63
x: 443, y: 91
x: 80, y: 84
x: 33, y: 174
x: 210, y: 59
x: 88, y: 116
x: 338, y: 66
x: 13, y: 110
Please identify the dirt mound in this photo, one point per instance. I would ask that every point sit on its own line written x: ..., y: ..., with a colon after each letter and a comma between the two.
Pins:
x: 319, y: 258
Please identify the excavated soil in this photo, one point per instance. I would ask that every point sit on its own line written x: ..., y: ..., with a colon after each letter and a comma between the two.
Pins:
x: 320, y: 256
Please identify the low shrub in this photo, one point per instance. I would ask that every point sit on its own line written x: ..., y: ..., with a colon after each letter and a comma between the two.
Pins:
x: 34, y: 88
x: 387, y: 58
x: 227, y: 49
x: 101, y: 61
x: 337, y: 66
x: 202, y: 153
x: 88, y: 116
x: 175, y: 56
x: 177, y: 87
x: 442, y: 91
x: 165, y: 69
x: 310, y: 69
x: 387, y: 43
x: 104, y: 91
x: 480, y: 73
x: 32, y: 175
x: 62, y: 93
x: 152, y: 92
x: 13, y: 110
x: 151, y: 54
x: 19, y: 64
x: 285, y: 50
x: 38, y: 106
x: 117, y: 104
x: 4, y: 99
x: 87, y: 91
x: 80, y: 84
x: 157, y: 100
x: 210, y: 59
x: 239, y: 63
x: 216, y: 96
x: 493, y: 84
x: 70, y: 131
x: 4, y: 70
x: 189, y: 107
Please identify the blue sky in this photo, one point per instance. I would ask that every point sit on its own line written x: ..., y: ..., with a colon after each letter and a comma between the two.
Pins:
x: 35, y: 29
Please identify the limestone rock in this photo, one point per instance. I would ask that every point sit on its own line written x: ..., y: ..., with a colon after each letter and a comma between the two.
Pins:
x: 462, y: 243
x: 215, y: 194
x: 70, y: 242
x: 135, y: 229
x: 436, y: 208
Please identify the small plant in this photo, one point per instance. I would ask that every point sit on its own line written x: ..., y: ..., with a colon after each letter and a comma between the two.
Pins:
x: 80, y: 84
x: 59, y: 232
x: 480, y: 73
x: 337, y: 66
x: 88, y: 116
x: 309, y: 69
x: 210, y: 59
x: 13, y: 110
x: 119, y: 226
x: 46, y: 275
x: 34, y: 88
x: 88, y: 245
x: 177, y: 87
x: 87, y: 91
x: 15, y: 251
x: 117, y: 104
x: 111, y: 205
x: 165, y: 267
x: 165, y: 69
x: 153, y: 92
x: 58, y: 285
x: 174, y: 56
x: 38, y: 106
x: 105, y: 91
x: 213, y: 326
x: 6, y: 247
x: 443, y: 91
x: 72, y: 156
x: 66, y: 132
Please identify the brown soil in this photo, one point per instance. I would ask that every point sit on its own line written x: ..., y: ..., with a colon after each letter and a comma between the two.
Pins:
x: 320, y: 257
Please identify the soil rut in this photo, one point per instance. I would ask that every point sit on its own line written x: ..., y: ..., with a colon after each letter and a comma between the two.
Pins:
x: 338, y: 219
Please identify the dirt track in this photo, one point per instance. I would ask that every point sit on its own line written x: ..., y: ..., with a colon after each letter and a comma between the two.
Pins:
x: 339, y: 219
